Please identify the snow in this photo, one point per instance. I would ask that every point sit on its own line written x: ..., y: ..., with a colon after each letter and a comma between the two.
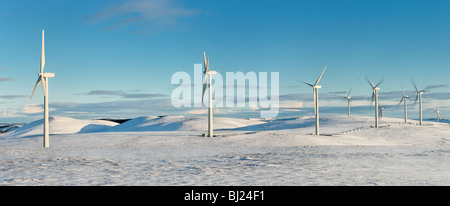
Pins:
x: 179, y: 123
x: 170, y: 150
x: 61, y: 125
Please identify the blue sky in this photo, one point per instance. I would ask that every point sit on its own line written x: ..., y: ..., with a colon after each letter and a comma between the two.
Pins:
x: 115, y: 59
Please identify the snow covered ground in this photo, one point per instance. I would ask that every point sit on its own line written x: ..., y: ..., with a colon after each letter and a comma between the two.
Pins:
x: 170, y: 150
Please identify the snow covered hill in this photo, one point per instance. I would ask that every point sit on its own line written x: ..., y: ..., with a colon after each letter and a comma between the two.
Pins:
x: 334, y: 130
x: 180, y: 123
x: 170, y: 150
x: 59, y: 125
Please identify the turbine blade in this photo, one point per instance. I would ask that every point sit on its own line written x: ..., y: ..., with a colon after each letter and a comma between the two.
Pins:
x: 44, y: 80
x: 414, y: 84
x: 371, y: 100
x: 206, y: 62
x: 204, y: 57
x: 368, y: 81
x: 381, y: 81
x: 35, y: 87
x: 42, y: 53
x: 317, y: 82
x: 401, y: 100
x: 204, y: 87
x: 417, y: 97
x: 206, y: 66
x: 307, y: 83
x: 350, y: 91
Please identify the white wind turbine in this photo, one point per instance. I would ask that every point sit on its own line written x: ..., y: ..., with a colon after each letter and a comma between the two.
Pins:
x: 404, y: 98
x: 208, y: 73
x: 316, y: 88
x: 381, y: 111
x: 43, y: 77
x: 348, y: 97
x: 437, y: 112
x: 418, y: 96
x: 375, y: 89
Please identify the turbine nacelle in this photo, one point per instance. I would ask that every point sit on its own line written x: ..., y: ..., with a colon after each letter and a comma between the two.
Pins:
x: 317, y: 82
x: 47, y: 75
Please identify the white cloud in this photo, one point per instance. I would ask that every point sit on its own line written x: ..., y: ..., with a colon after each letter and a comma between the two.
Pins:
x: 123, y: 94
x: 141, y: 13
x: 32, y: 109
x: 11, y: 113
x: 291, y: 104
x: 292, y: 110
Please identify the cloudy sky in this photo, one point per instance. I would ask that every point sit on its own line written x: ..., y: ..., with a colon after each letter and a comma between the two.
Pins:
x: 115, y: 59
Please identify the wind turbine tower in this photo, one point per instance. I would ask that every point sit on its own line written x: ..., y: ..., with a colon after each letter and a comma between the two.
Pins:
x: 437, y: 112
x: 43, y: 77
x: 419, y: 96
x: 375, y: 90
x: 404, y: 98
x: 381, y: 111
x: 348, y: 97
x: 316, y: 88
x: 208, y: 74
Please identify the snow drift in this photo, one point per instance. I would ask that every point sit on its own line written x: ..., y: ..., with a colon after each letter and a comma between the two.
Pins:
x: 180, y: 123
x: 60, y: 125
x: 169, y: 150
x: 341, y: 129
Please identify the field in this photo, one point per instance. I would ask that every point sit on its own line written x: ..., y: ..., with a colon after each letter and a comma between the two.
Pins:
x: 170, y: 150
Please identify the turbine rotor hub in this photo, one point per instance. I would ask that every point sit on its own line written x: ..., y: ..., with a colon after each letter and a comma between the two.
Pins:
x: 47, y: 75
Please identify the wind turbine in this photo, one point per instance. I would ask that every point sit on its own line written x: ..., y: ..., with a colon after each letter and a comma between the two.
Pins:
x: 208, y: 73
x: 375, y: 89
x: 437, y: 112
x: 404, y: 98
x: 316, y: 88
x: 348, y: 97
x: 418, y: 96
x: 381, y: 111
x: 43, y: 77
